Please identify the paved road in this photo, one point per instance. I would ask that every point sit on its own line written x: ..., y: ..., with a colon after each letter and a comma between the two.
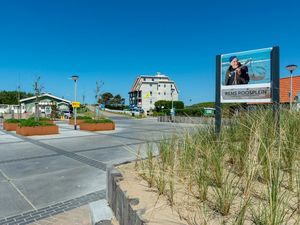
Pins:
x: 45, y: 175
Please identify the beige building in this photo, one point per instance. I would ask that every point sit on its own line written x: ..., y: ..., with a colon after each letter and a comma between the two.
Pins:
x: 148, y: 89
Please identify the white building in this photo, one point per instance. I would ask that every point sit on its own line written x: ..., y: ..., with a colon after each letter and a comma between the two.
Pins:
x: 148, y: 89
x: 44, y: 100
x: 4, y: 108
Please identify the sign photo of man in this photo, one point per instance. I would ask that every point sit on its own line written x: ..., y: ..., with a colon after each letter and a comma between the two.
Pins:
x: 236, y: 73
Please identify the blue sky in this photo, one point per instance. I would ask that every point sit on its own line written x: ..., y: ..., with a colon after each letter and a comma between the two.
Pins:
x: 115, y: 40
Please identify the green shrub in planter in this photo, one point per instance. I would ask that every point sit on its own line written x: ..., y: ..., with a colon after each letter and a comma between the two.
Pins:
x: 83, y: 118
x: 44, y: 119
x: 32, y: 123
x: 98, y: 121
x: 40, y: 118
x: 13, y: 120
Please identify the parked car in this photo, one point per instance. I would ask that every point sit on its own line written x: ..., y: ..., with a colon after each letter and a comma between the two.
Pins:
x: 66, y: 114
x: 137, y: 111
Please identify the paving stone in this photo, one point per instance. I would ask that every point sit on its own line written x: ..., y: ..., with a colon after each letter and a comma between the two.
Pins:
x: 80, y: 216
x: 48, y: 188
x: 38, y: 166
x: 13, y: 201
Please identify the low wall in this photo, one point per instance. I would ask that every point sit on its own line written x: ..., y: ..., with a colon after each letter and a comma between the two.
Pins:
x: 117, y: 111
x: 184, y: 119
x: 118, y: 201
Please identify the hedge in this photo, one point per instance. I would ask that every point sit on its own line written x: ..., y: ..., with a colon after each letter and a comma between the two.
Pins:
x: 181, y: 112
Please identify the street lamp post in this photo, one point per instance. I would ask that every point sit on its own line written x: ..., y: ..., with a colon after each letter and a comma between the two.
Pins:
x: 291, y: 68
x: 172, y: 115
x: 75, y: 78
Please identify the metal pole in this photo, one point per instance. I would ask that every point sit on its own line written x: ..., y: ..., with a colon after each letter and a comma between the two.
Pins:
x: 36, y: 102
x: 218, y: 115
x: 172, y: 118
x: 275, y: 87
x: 291, y: 88
x: 75, y: 109
x: 19, y: 111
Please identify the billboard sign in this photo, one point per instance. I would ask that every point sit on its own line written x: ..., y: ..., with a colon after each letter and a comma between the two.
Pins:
x: 246, y: 76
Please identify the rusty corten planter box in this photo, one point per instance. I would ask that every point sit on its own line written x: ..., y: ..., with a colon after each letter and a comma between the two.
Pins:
x: 71, y: 121
x: 97, y: 126
x: 37, y: 130
x: 10, y: 126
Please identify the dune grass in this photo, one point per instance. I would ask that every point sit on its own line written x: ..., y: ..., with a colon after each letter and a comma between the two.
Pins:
x: 249, y: 174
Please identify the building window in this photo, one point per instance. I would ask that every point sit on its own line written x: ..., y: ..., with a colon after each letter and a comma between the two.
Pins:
x: 144, y: 79
x: 158, y: 93
x: 150, y: 85
x: 150, y: 101
x: 165, y: 85
x: 152, y: 79
x: 151, y: 93
x: 164, y: 93
x: 171, y: 86
x: 159, y: 85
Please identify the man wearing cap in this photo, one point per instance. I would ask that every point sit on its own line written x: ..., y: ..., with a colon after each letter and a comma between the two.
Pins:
x: 236, y: 73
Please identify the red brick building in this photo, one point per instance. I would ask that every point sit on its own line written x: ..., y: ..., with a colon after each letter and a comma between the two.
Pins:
x: 285, y: 88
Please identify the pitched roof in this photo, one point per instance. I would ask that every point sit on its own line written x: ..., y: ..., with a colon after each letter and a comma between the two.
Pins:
x: 285, y: 88
x: 43, y: 95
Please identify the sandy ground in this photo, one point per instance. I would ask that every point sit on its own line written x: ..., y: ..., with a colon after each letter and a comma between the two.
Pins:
x: 154, y: 209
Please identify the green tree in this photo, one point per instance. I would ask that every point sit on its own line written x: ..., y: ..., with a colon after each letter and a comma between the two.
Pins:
x: 106, y: 98
x: 164, y: 104
x: 54, y: 111
x: 118, y: 100
x: 11, y: 97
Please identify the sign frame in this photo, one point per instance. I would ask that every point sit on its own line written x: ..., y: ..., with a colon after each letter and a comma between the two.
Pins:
x: 274, y: 88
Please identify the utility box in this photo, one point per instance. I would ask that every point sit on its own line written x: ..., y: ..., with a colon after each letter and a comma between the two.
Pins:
x: 209, y: 111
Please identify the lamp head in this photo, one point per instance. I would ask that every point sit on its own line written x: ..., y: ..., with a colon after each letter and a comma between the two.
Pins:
x: 75, y: 78
x: 291, y: 68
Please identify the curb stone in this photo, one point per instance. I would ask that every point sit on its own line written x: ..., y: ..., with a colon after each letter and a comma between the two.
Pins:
x: 118, y: 201
x: 100, y: 212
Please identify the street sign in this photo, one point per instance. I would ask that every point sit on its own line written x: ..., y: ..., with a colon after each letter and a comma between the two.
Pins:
x: 75, y: 104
